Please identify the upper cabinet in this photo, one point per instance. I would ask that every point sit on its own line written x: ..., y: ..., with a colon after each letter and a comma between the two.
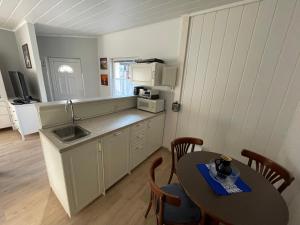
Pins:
x: 146, y: 74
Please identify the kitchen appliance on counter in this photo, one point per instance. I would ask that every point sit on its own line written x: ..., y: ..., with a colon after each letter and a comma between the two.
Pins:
x: 149, y: 93
x: 136, y: 90
x: 151, y: 105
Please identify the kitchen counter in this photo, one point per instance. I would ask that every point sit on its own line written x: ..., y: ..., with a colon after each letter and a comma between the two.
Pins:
x: 99, y: 126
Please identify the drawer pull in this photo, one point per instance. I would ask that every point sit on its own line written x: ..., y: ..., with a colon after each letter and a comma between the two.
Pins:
x: 117, y: 133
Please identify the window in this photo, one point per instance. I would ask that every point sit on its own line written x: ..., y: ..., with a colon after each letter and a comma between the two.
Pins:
x: 65, y: 69
x: 121, y: 83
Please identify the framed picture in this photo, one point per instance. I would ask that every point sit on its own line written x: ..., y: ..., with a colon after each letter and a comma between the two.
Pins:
x: 26, y: 56
x: 104, y: 79
x: 103, y: 63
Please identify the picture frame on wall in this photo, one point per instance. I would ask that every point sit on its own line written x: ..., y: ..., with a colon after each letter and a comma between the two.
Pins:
x: 103, y: 63
x: 104, y: 79
x: 26, y: 54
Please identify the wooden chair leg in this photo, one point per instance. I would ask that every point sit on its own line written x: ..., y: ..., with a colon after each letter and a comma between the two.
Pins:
x: 171, y: 176
x: 149, y: 207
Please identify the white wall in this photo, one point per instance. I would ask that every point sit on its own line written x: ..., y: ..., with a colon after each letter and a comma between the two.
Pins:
x: 84, y: 49
x: 159, y: 40
x: 289, y: 156
x: 241, y: 84
x: 34, y: 76
x: 9, y: 57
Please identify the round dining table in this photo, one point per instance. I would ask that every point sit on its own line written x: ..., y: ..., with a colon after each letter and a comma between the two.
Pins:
x: 264, y: 205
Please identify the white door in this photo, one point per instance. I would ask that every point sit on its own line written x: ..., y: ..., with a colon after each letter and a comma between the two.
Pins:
x: 66, y: 78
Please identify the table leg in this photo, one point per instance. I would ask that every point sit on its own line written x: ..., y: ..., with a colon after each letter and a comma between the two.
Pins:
x: 207, y: 220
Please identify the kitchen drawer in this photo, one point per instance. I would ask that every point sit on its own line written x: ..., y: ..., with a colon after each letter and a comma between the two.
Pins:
x: 3, y: 104
x: 3, y: 110
x: 140, y: 135
x: 4, y: 121
x: 138, y: 142
x: 138, y: 127
x: 137, y: 134
x: 138, y: 155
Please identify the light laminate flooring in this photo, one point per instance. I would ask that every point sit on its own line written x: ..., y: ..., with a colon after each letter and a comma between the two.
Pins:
x: 26, y: 197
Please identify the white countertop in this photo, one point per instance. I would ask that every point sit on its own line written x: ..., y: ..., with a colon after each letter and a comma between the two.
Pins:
x: 99, y: 126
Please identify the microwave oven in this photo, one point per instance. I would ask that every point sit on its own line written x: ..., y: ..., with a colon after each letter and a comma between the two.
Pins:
x: 151, y: 105
x: 146, y: 74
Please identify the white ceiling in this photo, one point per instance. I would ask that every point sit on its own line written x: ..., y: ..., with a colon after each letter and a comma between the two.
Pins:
x: 92, y: 17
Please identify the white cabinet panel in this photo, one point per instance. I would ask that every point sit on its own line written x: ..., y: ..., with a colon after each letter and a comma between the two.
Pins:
x: 4, y: 115
x: 116, y: 156
x: 154, y: 134
x: 25, y: 118
x: 83, y: 165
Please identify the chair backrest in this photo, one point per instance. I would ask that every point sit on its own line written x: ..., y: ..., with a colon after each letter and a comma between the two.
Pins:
x: 271, y: 170
x: 159, y: 197
x: 180, y: 146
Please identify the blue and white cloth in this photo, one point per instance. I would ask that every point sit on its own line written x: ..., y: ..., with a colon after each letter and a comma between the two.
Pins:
x: 222, y: 188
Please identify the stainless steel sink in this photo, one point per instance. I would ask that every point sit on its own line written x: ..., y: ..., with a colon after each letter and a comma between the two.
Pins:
x: 70, y: 133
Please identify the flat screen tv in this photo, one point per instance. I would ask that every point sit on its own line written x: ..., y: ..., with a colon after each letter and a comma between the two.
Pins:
x: 19, y: 85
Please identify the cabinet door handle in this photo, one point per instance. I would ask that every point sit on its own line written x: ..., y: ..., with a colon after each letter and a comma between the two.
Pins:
x: 117, y: 133
x: 99, y: 147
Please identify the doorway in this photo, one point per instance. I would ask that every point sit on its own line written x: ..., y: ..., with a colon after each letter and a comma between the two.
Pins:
x: 66, y: 79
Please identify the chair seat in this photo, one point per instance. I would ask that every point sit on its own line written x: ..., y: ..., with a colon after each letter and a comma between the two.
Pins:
x: 187, y: 212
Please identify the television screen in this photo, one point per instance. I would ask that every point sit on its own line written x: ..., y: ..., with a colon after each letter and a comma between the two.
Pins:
x: 19, y: 85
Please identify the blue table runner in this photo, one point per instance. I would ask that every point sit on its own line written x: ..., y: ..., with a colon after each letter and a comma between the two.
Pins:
x: 216, y: 186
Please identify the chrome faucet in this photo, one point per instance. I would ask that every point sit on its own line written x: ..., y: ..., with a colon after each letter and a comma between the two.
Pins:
x: 70, y: 103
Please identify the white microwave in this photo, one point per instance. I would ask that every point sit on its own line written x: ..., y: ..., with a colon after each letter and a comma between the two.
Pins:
x: 151, y: 105
x: 146, y: 74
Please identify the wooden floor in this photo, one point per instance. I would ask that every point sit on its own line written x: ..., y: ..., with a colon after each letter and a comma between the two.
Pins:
x: 26, y: 198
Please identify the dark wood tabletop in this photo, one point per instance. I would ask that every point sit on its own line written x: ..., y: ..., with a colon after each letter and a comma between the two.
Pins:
x: 262, y: 206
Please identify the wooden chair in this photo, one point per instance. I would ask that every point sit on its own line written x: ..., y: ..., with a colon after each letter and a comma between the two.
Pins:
x: 180, y: 147
x: 170, y: 203
x: 271, y: 170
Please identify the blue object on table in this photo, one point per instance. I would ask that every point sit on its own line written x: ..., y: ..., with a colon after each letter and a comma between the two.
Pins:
x: 216, y: 186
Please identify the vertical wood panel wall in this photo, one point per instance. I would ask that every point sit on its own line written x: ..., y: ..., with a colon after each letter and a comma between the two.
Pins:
x: 242, y: 77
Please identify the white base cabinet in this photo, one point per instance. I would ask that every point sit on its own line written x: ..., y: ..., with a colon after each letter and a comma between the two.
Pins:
x: 25, y: 118
x: 84, y: 172
x: 81, y: 174
x: 154, y: 134
x: 115, y: 148
x: 4, y: 114
x: 75, y: 176
x: 146, y: 137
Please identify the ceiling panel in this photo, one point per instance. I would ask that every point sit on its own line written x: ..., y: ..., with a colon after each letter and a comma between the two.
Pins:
x: 93, y: 17
x: 6, y: 9
x: 21, y: 10
x: 41, y: 9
